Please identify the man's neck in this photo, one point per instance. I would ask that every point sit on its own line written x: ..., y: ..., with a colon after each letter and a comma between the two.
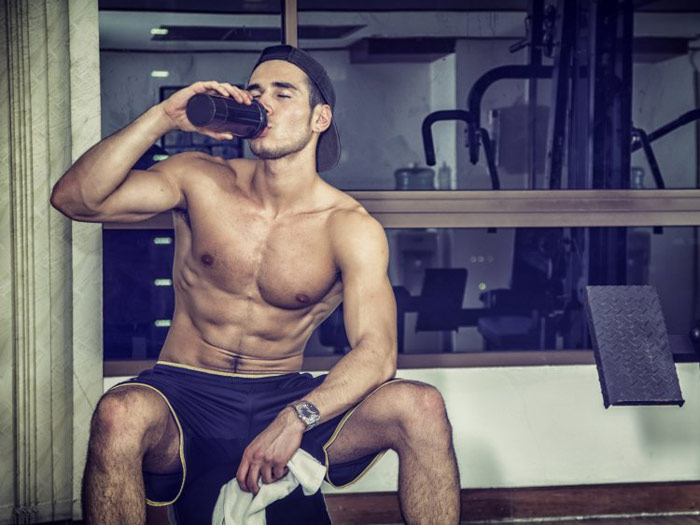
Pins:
x: 284, y: 185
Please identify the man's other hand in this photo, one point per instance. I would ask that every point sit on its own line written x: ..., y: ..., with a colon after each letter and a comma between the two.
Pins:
x: 268, y: 454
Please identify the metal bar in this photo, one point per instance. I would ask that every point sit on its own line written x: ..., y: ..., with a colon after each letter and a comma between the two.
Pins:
x: 601, y: 56
x: 624, y: 125
x: 612, y: 99
x: 612, y: 106
x: 535, y: 60
x: 603, y: 36
x: 578, y: 157
x: 618, y: 237
x: 651, y: 158
x: 289, y: 23
x: 426, y: 131
x: 685, y: 118
x: 696, y: 231
x: 490, y: 159
x: 476, y: 93
x: 556, y: 131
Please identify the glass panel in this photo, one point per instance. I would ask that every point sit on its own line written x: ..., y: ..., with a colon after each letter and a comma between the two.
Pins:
x: 149, y: 50
x: 458, y: 290
x: 394, y: 66
x: 521, y: 289
x: 138, y: 292
x: 402, y: 64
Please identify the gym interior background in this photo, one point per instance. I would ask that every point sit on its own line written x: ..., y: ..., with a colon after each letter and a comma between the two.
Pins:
x: 516, y: 151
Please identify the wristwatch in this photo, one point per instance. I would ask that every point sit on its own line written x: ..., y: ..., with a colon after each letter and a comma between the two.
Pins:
x: 307, y: 412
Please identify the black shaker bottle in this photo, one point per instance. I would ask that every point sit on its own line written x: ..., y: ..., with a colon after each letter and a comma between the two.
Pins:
x: 218, y: 113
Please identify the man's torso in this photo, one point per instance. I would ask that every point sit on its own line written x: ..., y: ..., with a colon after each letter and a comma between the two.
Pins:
x: 250, y: 287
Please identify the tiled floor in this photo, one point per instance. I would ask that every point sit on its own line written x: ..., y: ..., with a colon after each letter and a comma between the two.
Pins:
x: 655, y: 520
x: 649, y: 520
x: 646, y: 520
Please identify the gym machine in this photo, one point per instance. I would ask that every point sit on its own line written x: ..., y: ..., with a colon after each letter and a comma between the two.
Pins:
x: 590, y: 128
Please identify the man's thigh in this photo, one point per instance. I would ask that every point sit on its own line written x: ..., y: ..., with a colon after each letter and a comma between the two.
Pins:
x: 377, y: 422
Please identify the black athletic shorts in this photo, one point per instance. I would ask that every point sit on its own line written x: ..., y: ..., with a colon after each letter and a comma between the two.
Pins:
x: 218, y: 414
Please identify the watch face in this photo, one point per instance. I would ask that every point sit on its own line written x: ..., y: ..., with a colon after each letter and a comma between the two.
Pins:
x: 308, y: 412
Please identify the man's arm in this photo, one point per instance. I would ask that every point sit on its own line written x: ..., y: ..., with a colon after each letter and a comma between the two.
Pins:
x: 369, y: 307
x: 101, y: 186
x: 362, y: 254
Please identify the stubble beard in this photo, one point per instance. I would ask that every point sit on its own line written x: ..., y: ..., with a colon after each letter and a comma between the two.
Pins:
x: 273, y: 152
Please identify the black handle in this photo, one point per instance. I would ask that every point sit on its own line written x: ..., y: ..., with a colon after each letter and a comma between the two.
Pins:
x: 451, y: 114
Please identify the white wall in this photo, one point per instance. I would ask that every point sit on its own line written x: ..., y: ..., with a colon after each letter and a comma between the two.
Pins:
x: 443, y: 96
x: 546, y: 426
x: 128, y: 89
x: 662, y: 91
x: 380, y: 111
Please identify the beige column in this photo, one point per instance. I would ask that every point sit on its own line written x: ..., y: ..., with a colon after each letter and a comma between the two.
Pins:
x: 50, y: 268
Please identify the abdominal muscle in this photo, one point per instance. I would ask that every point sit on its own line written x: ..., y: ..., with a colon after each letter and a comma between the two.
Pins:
x: 220, y: 331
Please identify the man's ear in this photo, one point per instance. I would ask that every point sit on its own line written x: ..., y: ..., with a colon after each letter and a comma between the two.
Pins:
x: 322, y: 118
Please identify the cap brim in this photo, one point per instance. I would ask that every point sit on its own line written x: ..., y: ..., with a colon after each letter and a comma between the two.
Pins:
x: 328, y: 149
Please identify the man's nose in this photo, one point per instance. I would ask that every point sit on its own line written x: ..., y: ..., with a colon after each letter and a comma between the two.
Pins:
x: 265, y: 102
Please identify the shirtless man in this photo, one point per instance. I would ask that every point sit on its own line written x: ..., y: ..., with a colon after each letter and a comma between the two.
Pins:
x: 265, y: 251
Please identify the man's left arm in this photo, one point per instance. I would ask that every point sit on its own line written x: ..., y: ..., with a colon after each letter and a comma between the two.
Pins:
x: 369, y: 305
x: 369, y: 309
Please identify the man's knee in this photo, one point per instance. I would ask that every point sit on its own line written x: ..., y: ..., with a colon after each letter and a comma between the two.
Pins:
x: 420, y: 409
x: 124, y: 421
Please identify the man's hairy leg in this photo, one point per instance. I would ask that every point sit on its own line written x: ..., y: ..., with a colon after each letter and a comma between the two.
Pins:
x: 410, y: 418
x: 131, y: 427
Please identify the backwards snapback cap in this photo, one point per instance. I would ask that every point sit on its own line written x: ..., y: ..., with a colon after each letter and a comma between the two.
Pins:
x: 328, y: 148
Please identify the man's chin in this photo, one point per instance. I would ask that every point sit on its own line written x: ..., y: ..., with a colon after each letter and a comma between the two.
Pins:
x: 265, y: 150
x: 265, y: 154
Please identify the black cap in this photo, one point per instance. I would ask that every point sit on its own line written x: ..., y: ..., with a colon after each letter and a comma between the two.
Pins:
x: 328, y: 148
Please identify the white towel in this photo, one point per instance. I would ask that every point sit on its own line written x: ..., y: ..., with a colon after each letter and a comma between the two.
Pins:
x: 236, y: 507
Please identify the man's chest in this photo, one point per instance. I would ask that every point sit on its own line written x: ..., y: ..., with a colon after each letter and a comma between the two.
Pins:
x: 287, y: 263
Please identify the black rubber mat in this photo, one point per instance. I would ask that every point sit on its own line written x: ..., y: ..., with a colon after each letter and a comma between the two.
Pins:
x: 631, y: 346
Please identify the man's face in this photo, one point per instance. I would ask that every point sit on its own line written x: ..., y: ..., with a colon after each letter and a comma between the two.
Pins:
x: 283, y: 90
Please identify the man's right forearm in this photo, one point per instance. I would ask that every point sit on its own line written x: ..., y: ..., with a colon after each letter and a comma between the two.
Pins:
x: 102, y: 169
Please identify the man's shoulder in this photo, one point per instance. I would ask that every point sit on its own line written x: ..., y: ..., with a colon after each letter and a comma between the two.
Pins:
x: 347, y: 212
x: 350, y: 220
x: 189, y: 159
x: 196, y: 169
x: 183, y: 164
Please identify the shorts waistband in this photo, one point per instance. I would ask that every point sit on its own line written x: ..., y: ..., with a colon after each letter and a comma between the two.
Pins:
x: 222, y: 373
